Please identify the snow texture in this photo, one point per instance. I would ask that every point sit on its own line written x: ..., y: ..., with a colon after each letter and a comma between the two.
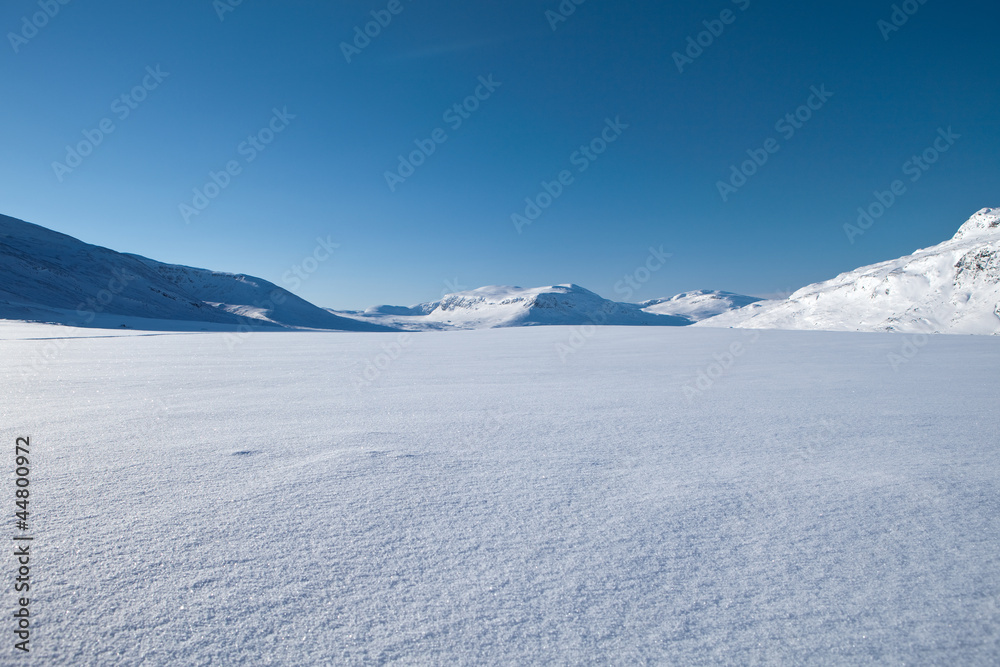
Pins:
x: 668, y: 495
x: 953, y: 287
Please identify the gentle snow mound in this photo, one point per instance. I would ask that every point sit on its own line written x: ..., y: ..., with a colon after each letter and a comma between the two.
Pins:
x: 698, y: 305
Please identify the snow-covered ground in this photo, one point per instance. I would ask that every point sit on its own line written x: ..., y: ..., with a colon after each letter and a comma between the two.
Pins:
x: 468, y: 498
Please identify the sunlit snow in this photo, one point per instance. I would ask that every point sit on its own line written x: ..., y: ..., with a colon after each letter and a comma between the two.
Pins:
x: 665, y: 495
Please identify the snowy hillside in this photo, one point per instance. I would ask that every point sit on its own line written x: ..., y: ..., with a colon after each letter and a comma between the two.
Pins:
x: 501, y: 306
x: 698, y: 305
x: 953, y: 287
x: 51, y: 277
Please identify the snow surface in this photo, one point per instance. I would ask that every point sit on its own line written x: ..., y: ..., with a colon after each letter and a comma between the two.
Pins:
x: 496, y: 306
x: 51, y: 277
x: 467, y: 498
x: 953, y: 287
x: 18, y: 330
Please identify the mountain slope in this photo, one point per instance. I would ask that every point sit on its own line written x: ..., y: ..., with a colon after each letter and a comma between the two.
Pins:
x: 502, y: 306
x: 698, y: 305
x: 51, y: 277
x: 953, y: 287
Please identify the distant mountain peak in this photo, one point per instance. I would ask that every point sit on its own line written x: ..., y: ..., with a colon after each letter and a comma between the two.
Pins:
x: 985, y: 221
x: 563, y: 304
x: 699, y: 304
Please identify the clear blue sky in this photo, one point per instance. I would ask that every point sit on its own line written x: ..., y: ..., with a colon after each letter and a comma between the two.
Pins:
x: 323, y: 175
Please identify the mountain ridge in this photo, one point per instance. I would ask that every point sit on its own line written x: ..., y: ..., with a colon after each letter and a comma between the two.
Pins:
x: 52, y: 277
x: 951, y: 287
x: 47, y: 276
x: 496, y: 306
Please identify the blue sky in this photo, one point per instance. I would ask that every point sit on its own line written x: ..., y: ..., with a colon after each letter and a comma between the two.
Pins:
x: 222, y: 70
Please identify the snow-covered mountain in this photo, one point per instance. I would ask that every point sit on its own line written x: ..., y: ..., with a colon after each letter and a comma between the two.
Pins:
x: 698, y: 305
x: 953, y: 287
x: 502, y: 306
x: 46, y: 276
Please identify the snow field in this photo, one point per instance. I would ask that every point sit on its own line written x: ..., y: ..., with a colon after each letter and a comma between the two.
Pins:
x: 483, y: 502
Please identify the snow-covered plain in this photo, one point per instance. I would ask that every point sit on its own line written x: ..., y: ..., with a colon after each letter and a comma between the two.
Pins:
x: 203, y: 499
